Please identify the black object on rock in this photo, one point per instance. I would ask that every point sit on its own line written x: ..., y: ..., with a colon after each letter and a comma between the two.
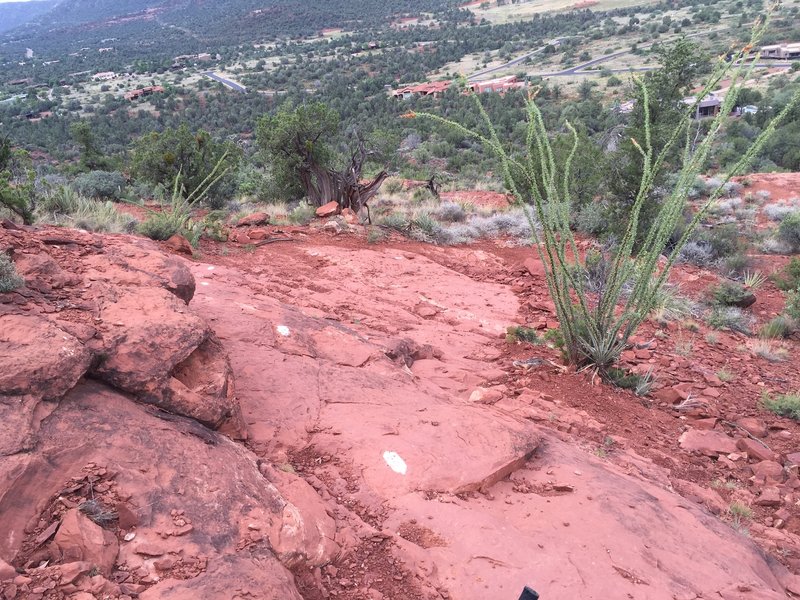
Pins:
x: 528, y: 594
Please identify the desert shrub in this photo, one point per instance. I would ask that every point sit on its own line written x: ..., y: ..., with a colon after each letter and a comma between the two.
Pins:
x: 730, y: 317
x: 10, y: 280
x: 729, y: 293
x: 513, y: 223
x: 726, y: 206
x: 736, y: 264
x: 422, y: 194
x: 519, y: 333
x: 455, y: 234
x: 772, y: 245
x: 176, y: 217
x: 670, y: 305
x: 789, y: 231
x: 163, y: 225
x: 789, y: 277
x: 102, y: 217
x: 641, y: 385
x: 591, y: 218
x: 395, y: 220
x: 302, y: 214
x: 65, y: 207
x: 695, y: 190
x: 792, y: 308
x: 451, y: 212
x: 375, y: 235
x: 780, y: 327
x: 724, y: 240
x: 769, y: 350
x: 393, y: 185
x: 60, y: 201
x: 778, y: 212
x: 763, y: 195
x: 107, y: 185
x: 785, y: 405
x: 697, y: 253
x: 732, y: 188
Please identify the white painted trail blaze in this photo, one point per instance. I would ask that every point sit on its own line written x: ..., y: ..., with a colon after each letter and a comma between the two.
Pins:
x: 395, y: 462
x: 283, y: 330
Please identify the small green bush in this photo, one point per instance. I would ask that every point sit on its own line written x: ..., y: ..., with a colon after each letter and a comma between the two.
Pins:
x: 160, y: 226
x: 641, y: 385
x: 731, y: 293
x: 107, y: 185
x: 789, y: 277
x: 393, y: 186
x: 61, y: 201
x: 729, y: 317
x: 789, y: 231
x: 395, y: 220
x: 519, y: 333
x: 792, y: 308
x: 785, y: 405
x: 302, y: 215
x: 780, y: 327
x: 10, y: 280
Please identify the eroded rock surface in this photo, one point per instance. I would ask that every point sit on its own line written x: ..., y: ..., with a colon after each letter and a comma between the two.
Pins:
x: 385, y: 457
x: 117, y: 413
x: 379, y: 353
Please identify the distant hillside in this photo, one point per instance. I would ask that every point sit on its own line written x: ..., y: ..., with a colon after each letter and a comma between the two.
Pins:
x: 14, y: 14
x: 154, y: 31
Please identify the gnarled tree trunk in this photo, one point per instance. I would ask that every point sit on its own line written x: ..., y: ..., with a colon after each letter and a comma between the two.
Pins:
x: 345, y: 187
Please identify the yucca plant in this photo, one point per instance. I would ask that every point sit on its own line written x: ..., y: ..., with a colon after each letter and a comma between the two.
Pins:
x: 177, y: 217
x: 596, y: 325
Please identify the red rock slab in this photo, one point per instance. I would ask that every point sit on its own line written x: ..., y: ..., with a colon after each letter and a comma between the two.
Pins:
x: 599, y: 541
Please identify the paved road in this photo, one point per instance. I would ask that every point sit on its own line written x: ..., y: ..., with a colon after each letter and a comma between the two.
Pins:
x: 238, y: 87
x: 581, y: 69
x: 512, y: 62
x: 13, y: 99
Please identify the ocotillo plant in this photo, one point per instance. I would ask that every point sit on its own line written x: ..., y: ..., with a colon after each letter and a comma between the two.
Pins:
x: 596, y: 327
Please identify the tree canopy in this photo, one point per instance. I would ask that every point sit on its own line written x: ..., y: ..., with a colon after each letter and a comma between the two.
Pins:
x: 160, y: 157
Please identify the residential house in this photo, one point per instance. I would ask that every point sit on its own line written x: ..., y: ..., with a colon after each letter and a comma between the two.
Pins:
x: 437, y: 88
x: 781, y: 51
x: 140, y: 93
x: 104, y: 76
x: 499, y: 85
x: 707, y: 107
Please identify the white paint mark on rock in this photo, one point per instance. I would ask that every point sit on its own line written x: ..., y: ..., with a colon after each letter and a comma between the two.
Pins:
x: 395, y: 462
x: 204, y: 283
x: 283, y: 330
x: 210, y: 268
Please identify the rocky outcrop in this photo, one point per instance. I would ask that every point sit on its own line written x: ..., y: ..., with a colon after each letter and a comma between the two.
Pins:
x: 117, y: 427
x: 380, y: 352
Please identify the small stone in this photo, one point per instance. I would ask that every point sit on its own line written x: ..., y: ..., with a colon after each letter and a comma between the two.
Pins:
x: 769, y: 470
x: 183, y: 530
x: 708, y: 443
x: 769, y: 497
x: 7, y: 572
x: 72, y: 571
x: 254, y: 220
x: 755, y: 450
x: 328, y: 210
x: 164, y: 563
x: 753, y: 426
x: 178, y: 243
x: 485, y: 396
x: 147, y: 549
